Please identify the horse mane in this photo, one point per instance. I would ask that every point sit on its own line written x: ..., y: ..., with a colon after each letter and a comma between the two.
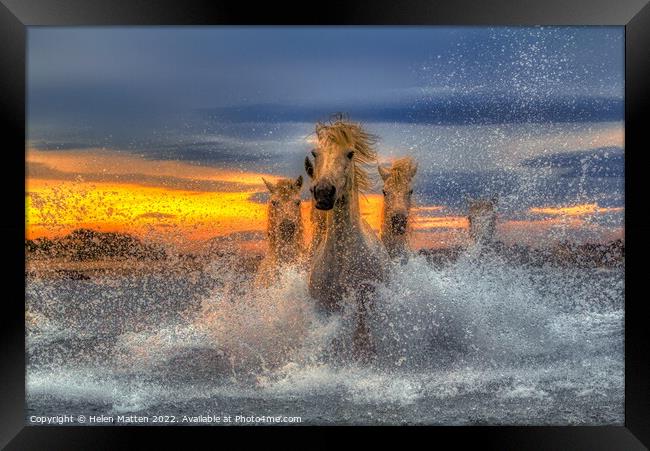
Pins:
x: 286, y: 186
x: 401, y: 169
x: 342, y: 132
x: 482, y: 204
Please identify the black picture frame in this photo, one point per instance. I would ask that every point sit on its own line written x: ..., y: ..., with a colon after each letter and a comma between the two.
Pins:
x: 16, y: 15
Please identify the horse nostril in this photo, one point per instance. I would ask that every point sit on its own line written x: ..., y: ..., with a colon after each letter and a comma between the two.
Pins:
x: 325, y: 191
x: 398, y: 222
x: 324, y: 195
x: 287, y: 228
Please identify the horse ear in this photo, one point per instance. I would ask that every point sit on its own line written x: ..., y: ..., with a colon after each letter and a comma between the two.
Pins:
x: 383, y: 172
x: 299, y: 181
x: 269, y: 185
x: 309, y: 167
x: 414, y: 169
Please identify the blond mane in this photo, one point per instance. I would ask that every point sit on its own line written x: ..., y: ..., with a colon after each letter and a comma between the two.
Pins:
x: 401, y: 170
x: 343, y: 133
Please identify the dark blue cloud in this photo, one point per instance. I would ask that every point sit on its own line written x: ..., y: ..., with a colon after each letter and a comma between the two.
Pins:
x: 488, y: 108
x: 121, y: 75
x: 454, y: 188
x: 601, y: 162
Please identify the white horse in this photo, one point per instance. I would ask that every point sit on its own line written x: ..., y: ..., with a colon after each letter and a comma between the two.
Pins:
x: 284, y: 230
x: 350, y: 259
x: 395, y: 214
x: 482, y: 220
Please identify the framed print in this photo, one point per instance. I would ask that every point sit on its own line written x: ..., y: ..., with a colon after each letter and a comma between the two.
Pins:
x: 416, y: 216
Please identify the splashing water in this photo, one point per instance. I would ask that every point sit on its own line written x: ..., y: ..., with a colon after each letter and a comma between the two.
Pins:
x: 477, y: 341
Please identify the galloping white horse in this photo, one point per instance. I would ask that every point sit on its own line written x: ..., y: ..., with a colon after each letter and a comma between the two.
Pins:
x: 350, y: 259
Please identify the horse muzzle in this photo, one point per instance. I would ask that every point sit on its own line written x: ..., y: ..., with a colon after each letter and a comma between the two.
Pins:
x: 398, y: 223
x: 287, y: 229
x: 325, y: 196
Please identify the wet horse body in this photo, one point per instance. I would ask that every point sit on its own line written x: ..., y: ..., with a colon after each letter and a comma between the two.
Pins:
x: 349, y: 258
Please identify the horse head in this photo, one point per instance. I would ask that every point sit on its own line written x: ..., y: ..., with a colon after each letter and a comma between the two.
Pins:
x: 397, y: 191
x: 284, y: 216
x: 342, y: 148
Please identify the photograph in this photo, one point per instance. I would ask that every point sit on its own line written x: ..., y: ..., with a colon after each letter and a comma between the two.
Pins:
x: 325, y: 225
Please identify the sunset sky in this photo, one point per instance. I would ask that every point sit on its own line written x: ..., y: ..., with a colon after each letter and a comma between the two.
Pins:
x: 166, y: 132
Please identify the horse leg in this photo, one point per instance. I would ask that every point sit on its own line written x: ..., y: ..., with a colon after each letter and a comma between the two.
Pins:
x: 363, y: 346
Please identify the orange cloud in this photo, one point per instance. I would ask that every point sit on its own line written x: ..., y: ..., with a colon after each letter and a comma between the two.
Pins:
x: 439, y: 238
x: 575, y: 210
x: 109, y: 166
x: 439, y: 222
x: 112, y: 191
x: 59, y: 207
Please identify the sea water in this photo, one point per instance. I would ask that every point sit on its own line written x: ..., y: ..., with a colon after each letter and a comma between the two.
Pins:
x: 476, y: 341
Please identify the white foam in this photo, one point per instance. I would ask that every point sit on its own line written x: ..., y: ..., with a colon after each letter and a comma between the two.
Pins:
x: 476, y: 328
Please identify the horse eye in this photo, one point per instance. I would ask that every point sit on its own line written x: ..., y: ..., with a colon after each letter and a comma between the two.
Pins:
x: 350, y: 154
x: 297, y: 202
x: 313, y: 152
x: 383, y: 191
x: 274, y: 203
